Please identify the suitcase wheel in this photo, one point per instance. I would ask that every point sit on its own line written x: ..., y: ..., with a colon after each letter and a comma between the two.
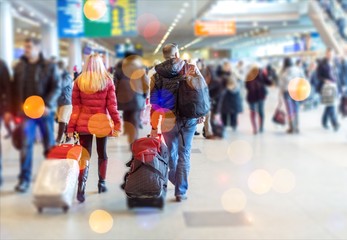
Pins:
x: 40, y: 209
x: 66, y: 209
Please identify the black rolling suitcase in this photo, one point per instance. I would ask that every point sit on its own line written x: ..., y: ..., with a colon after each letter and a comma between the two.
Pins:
x: 146, y: 183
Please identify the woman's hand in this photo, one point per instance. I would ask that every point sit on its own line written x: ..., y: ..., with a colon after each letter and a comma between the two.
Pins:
x: 116, y: 133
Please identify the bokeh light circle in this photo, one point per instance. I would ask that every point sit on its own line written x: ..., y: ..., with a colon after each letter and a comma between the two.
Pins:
x: 100, y: 125
x: 85, y: 158
x: 234, y: 200
x: 260, y: 181
x: 131, y: 65
x: 130, y: 130
x: 299, y: 89
x: 34, y: 107
x: 94, y: 9
x: 240, y: 152
x: 283, y: 181
x: 100, y: 221
x: 252, y: 74
x: 168, y: 120
x: 142, y: 22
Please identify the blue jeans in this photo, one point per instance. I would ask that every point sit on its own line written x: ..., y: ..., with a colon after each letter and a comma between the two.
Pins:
x: 179, y: 141
x: 29, y: 133
x: 257, y: 107
x: 329, y: 113
x: 292, y: 107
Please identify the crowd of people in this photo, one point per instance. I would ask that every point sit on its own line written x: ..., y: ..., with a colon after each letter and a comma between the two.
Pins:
x: 75, y: 100
x: 337, y: 11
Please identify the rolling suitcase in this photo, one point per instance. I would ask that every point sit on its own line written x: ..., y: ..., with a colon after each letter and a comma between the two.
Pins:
x: 57, y: 178
x: 146, y: 182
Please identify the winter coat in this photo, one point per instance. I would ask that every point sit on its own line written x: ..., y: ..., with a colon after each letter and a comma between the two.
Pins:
x: 230, y: 100
x: 48, y: 83
x: 87, y: 105
x: 66, y: 93
x: 164, y: 84
x: 256, y: 88
x: 5, y: 88
x: 131, y: 94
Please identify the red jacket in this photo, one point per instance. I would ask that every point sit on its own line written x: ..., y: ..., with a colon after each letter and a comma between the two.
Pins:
x: 86, y: 106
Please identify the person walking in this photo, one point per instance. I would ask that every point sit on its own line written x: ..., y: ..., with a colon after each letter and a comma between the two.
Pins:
x: 178, y: 132
x: 5, y: 115
x: 93, y: 104
x: 290, y: 72
x: 256, y: 82
x: 34, y: 76
x: 64, y: 103
x: 329, y: 99
x: 132, y: 87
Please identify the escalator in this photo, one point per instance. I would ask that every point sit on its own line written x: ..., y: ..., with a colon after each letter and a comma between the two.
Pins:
x: 326, y: 27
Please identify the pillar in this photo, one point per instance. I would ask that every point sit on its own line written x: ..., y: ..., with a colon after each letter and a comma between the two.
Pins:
x: 75, y: 54
x: 6, y: 33
x: 50, y: 41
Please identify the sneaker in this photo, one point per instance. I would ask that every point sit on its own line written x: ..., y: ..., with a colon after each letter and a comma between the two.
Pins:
x: 181, y: 198
x: 196, y: 133
x: 22, y: 186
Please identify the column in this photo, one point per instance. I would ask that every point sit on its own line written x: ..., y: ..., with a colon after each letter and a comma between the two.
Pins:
x: 50, y: 41
x: 75, y: 54
x: 6, y: 33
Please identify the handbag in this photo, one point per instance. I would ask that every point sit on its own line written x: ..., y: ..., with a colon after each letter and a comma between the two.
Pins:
x: 279, y: 116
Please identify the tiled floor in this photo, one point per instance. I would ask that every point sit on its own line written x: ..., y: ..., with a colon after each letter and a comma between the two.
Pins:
x: 315, y: 175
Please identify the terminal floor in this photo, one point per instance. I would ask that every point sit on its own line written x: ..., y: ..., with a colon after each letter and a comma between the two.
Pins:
x: 314, y: 208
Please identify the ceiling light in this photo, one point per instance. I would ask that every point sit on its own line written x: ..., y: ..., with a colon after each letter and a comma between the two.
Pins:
x: 26, y: 32
x: 21, y: 9
x: 32, y: 14
x: 182, y: 10
x: 18, y: 30
x: 186, y: 4
x: 255, y: 24
x: 45, y: 20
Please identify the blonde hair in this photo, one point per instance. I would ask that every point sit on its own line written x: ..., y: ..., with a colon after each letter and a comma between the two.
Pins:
x: 94, y: 76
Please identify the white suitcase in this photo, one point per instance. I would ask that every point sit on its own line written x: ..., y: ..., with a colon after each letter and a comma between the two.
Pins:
x: 55, y: 185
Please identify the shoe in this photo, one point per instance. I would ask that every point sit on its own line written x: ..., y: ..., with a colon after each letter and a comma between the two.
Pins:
x: 181, y: 198
x: 290, y: 131
x: 337, y: 127
x: 196, y: 133
x: 325, y: 127
x: 102, y: 186
x: 22, y: 186
x: 211, y: 137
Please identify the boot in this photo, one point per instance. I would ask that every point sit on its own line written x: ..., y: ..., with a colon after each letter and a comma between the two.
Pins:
x: 61, y: 131
x: 82, y: 179
x: 291, y: 127
x: 102, y: 164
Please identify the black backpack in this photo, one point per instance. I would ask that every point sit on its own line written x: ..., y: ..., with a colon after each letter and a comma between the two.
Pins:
x: 185, y: 95
x: 193, y: 100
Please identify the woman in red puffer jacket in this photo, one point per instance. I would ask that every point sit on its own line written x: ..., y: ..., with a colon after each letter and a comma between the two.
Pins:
x: 94, y: 113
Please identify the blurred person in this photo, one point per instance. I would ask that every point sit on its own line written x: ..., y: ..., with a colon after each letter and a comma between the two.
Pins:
x: 328, y: 69
x: 93, y: 93
x: 76, y: 72
x: 271, y: 74
x: 180, y: 135
x: 34, y: 75
x: 132, y: 87
x: 64, y: 102
x: 290, y: 72
x: 5, y: 88
x: 256, y: 82
x: 329, y: 99
x: 230, y: 102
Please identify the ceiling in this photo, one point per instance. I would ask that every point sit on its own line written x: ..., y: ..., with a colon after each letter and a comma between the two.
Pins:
x: 279, y: 18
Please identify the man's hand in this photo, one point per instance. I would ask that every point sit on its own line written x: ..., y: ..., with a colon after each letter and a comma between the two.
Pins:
x: 201, y: 120
x: 154, y: 133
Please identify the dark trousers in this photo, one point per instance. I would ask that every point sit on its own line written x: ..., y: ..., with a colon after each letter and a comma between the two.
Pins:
x: 86, y: 141
x: 29, y: 133
x: 232, y: 117
x: 329, y: 114
x: 132, y: 124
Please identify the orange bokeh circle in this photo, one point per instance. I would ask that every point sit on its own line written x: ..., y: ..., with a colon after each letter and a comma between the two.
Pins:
x: 100, y: 125
x: 94, y: 9
x: 34, y: 107
x: 299, y: 89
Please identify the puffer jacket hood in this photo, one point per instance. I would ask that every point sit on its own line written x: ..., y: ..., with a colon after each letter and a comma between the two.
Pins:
x: 170, y: 68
